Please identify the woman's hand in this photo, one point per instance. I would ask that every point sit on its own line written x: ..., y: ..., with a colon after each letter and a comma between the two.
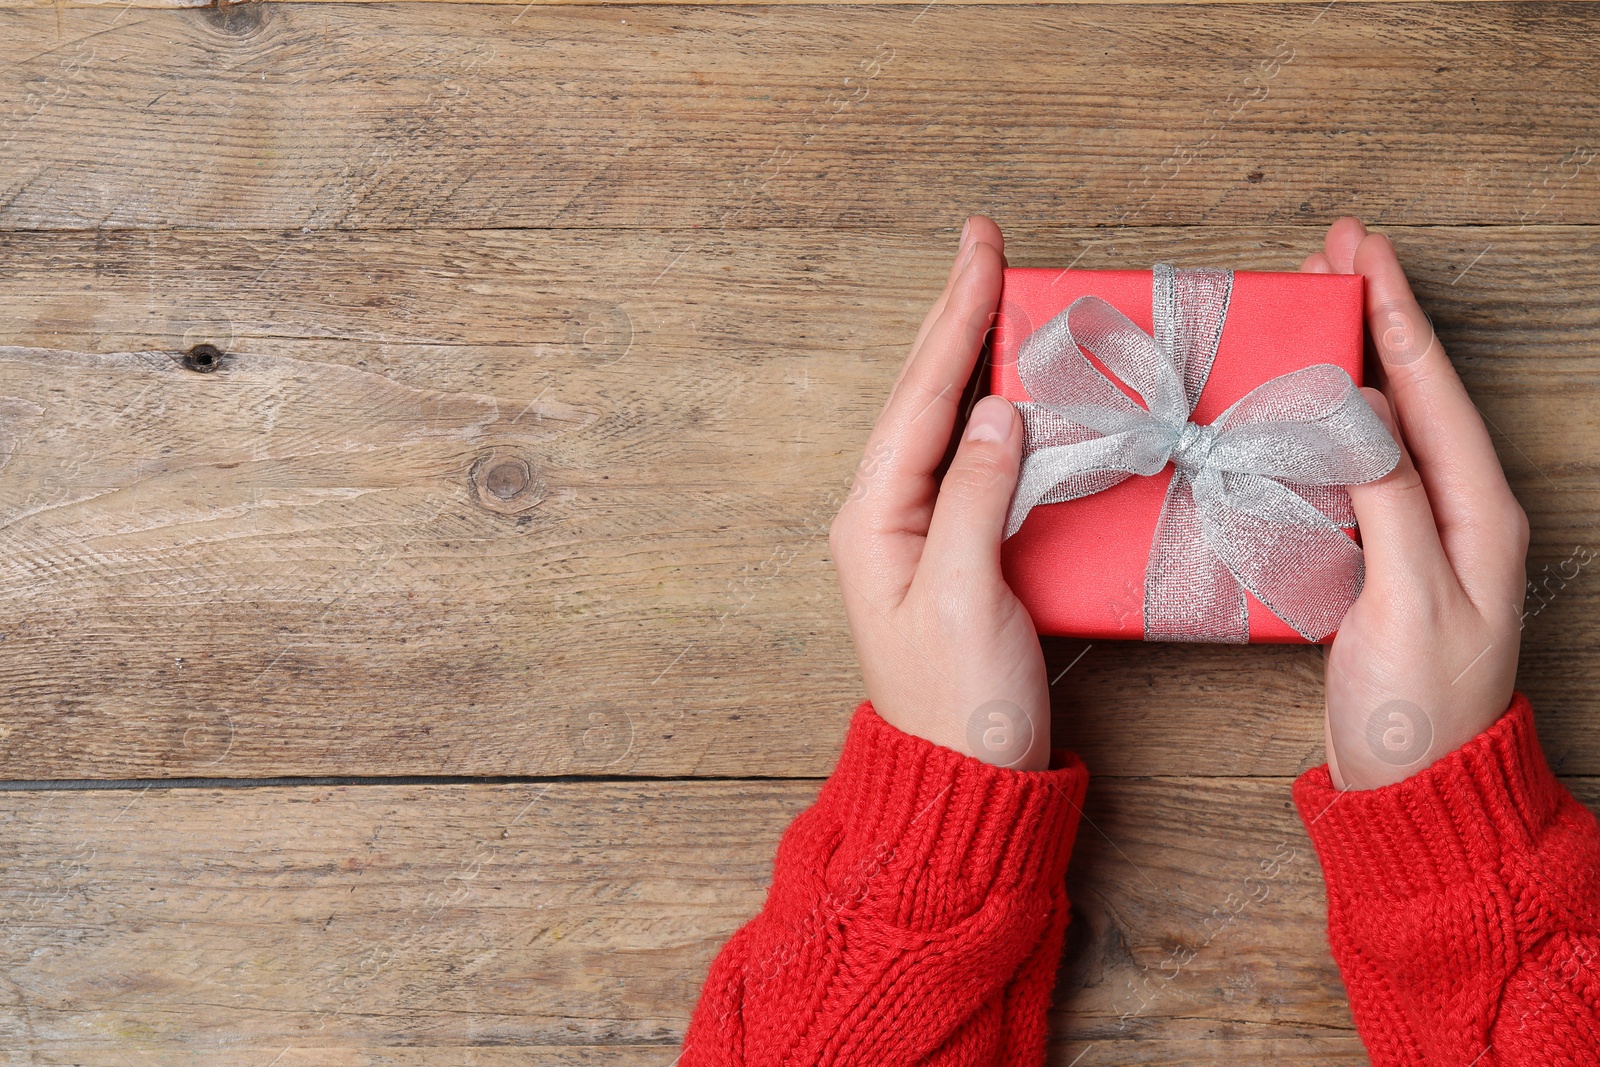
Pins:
x: 1426, y: 658
x: 946, y: 650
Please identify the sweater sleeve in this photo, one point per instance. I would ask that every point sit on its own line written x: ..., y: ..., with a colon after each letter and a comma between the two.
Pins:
x: 1464, y: 907
x: 916, y: 916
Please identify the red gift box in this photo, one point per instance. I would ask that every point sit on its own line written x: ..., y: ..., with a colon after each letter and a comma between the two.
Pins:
x: 1079, y: 566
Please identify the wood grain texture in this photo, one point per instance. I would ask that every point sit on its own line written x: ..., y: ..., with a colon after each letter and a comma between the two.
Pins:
x: 546, y: 339
x: 298, y: 562
x: 431, y: 924
x: 357, y: 116
x: 142, y: 4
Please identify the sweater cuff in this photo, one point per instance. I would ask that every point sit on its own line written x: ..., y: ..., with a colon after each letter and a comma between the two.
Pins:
x: 915, y: 811
x: 1445, y: 826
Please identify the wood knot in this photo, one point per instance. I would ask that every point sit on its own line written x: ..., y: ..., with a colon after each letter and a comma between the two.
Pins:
x: 233, y: 18
x: 506, y: 483
x: 204, y: 359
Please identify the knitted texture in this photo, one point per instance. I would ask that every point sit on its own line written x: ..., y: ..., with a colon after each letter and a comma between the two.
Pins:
x: 916, y: 916
x: 917, y: 912
x: 1464, y: 907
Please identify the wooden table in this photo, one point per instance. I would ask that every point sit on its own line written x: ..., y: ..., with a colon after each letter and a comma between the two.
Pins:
x: 424, y: 672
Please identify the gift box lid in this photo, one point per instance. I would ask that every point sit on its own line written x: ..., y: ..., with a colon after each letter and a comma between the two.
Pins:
x: 1079, y: 566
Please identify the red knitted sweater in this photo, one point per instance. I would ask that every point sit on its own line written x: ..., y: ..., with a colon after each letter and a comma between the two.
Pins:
x: 917, y: 910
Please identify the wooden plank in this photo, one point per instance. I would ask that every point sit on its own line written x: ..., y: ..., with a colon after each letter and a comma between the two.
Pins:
x: 142, y: 4
x: 422, y: 924
x: 298, y: 563
x: 342, y: 116
x: 127, y: 1054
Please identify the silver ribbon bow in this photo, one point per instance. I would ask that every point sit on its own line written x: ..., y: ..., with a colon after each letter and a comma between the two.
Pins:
x: 1257, y: 499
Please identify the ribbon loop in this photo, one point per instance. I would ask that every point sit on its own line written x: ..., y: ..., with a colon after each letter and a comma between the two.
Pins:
x: 1257, y: 498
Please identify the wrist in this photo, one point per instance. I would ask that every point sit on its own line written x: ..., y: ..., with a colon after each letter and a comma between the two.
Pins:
x: 922, y: 828
x: 1390, y: 718
x: 1465, y: 814
x: 1000, y: 733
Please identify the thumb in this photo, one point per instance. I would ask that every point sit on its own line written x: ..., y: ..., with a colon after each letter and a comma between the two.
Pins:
x: 969, y: 516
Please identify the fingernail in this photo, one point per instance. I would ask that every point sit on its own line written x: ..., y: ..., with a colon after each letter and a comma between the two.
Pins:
x: 991, y: 420
x: 966, y: 258
x: 965, y: 230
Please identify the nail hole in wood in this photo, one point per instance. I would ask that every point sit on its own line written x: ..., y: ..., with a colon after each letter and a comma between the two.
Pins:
x: 203, y: 359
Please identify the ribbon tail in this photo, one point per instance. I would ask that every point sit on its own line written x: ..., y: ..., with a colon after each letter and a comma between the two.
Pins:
x: 1288, y: 554
x: 1332, y: 500
x: 1060, y: 473
x: 1189, y: 593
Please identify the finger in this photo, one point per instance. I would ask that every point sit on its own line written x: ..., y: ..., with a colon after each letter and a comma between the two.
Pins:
x: 1477, y: 516
x: 978, y: 228
x: 970, y: 516
x: 1398, y: 534
x: 877, y: 534
x: 914, y: 429
x: 1341, y: 242
x: 1316, y: 263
